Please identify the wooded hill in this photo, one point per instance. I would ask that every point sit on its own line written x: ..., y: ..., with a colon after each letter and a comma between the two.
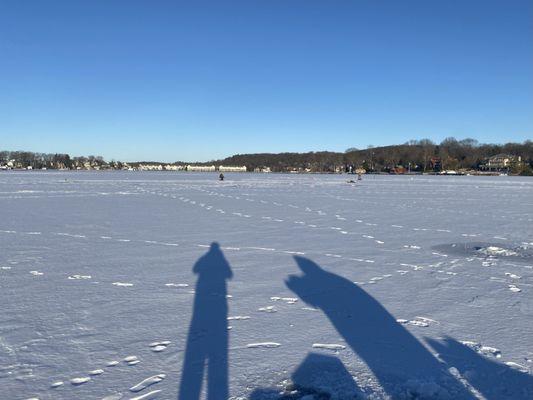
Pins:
x: 422, y: 155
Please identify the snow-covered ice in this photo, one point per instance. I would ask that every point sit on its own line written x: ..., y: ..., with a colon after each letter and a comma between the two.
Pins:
x: 121, y: 285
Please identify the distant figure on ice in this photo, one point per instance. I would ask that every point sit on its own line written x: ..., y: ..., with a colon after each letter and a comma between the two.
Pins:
x: 221, y: 177
x: 207, y: 342
x: 359, y: 177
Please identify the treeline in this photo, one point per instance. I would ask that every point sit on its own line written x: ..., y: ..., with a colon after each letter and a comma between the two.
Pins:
x: 24, y: 159
x: 323, y: 161
x: 416, y: 155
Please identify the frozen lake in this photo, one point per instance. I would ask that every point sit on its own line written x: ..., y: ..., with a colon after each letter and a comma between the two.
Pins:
x: 393, y: 287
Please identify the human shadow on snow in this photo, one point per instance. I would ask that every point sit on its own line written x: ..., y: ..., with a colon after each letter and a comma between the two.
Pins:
x: 315, y: 378
x: 207, y: 341
x: 403, y: 366
x: 493, y: 379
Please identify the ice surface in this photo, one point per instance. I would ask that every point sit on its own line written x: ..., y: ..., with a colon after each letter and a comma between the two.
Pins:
x: 395, y: 287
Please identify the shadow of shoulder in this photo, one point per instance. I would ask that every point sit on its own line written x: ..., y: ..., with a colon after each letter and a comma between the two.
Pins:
x: 318, y: 377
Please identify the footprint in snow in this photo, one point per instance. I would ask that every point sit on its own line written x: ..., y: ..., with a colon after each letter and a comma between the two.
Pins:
x: 520, y: 367
x: 96, y: 372
x: 268, y: 309
x: 238, y: 318
x: 148, y: 396
x: 513, y: 276
x: 147, y: 382
x: 158, y: 347
x: 79, y: 381
x: 79, y: 277
x: 178, y: 285
x: 333, y: 255
x: 484, y: 350
x: 329, y: 346
x: 131, y: 360
x: 514, y: 289
x: 112, y: 363
x: 264, y: 345
x: 417, y: 321
x: 288, y: 300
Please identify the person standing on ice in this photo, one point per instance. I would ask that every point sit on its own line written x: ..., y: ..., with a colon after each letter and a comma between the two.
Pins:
x: 207, y: 341
x: 221, y: 176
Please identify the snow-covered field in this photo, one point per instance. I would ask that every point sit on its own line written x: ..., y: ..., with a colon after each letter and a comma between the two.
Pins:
x: 123, y: 285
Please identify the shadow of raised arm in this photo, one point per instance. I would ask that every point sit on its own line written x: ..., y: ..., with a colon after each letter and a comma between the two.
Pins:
x: 402, y: 364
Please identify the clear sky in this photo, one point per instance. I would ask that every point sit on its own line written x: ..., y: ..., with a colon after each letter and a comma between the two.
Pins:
x: 197, y: 80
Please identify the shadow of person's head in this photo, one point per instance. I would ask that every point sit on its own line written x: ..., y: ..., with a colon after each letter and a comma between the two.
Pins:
x: 319, y: 287
x: 213, y: 264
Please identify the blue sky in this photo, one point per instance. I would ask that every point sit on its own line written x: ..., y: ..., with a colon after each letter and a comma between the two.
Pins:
x: 175, y: 80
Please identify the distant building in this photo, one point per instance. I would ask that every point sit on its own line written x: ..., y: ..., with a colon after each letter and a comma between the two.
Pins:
x: 436, y: 164
x: 262, y: 169
x: 227, y: 168
x: 398, y: 170
x: 500, y: 162
x: 171, y: 167
x: 150, y: 167
x: 201, y: 168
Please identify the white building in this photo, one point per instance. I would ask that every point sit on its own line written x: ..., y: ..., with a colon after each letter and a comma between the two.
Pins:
x: 262, y: 169
x: 201, y: 168
x: 150, y: 167
x: 227, y: 168
x: 500, y: 162
x: 170, y: 167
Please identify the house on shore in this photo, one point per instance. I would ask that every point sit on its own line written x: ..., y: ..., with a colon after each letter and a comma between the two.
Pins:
x: 500, y: 162
x: 263, y: 169
x: 173, y: 167
x: 150, y: 167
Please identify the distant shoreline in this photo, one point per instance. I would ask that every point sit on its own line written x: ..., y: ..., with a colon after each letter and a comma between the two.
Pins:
x: 472, y: 173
